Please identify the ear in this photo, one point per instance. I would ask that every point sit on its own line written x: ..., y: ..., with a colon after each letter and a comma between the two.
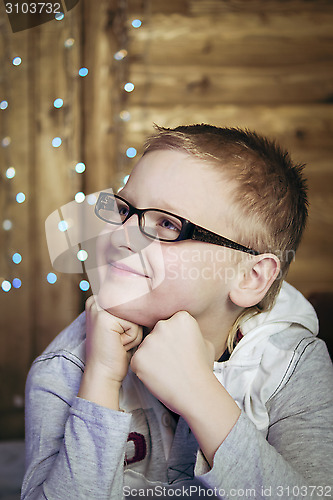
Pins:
x: 254, y: 280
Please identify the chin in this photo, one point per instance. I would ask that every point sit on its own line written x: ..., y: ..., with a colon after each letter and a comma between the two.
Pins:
x: 137, y: 311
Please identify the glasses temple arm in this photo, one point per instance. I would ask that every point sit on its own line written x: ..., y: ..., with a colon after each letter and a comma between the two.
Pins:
x: 201, y: 234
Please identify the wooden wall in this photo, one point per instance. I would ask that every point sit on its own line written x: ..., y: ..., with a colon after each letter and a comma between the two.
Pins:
x: 265, y: 65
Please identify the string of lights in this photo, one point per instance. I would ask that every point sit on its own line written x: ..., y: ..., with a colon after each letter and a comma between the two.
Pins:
x: 10, y: 277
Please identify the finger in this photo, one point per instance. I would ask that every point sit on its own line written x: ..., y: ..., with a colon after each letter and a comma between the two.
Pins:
x: 132, y: 337
x: 90, y: 302
x: 134, y: 344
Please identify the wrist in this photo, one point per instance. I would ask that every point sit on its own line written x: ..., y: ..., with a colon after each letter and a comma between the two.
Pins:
x: 100, y: 387
x: 211, y: 415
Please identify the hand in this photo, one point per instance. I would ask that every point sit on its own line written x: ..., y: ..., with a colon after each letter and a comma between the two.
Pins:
x: 110, y: 341
x: 174, y: 360
x: 175, y: 363
x: 109, y: 346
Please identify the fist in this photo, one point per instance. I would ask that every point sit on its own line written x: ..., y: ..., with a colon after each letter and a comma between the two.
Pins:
x: 110, y: 341
x: 173, y: 360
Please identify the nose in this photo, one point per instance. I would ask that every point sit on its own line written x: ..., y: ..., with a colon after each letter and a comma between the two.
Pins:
x: 128, y: 235
x: 130, y: 228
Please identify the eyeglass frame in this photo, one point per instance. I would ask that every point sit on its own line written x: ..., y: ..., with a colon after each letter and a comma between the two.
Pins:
x: 189, y: 230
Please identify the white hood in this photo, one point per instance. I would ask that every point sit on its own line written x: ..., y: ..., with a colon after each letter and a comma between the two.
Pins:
x: 290, y: 307
x: 263, y: 360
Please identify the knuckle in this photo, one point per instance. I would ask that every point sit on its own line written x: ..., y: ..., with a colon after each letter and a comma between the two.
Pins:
x: 136, y: 361
x: 139, y: 335
x: 184, y: 316
x: 160, y: 325
x: 147, y: 340
x: 89, y: 302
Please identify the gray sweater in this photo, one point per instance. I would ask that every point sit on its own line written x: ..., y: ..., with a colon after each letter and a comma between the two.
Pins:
x: 79, y: 450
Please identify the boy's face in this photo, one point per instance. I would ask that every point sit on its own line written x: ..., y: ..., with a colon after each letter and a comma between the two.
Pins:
x: 143, y: 280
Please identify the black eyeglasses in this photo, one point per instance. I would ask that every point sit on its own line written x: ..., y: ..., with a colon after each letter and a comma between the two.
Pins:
x: 159, y: 224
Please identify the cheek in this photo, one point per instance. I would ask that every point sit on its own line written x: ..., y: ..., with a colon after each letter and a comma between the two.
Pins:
x: 198, y: 275
x: 190, y: 266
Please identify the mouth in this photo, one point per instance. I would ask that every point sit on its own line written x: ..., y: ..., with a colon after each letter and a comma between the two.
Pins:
x: 121, y: 268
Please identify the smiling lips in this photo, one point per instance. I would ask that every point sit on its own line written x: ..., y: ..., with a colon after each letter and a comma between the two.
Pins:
x: 126, y: 269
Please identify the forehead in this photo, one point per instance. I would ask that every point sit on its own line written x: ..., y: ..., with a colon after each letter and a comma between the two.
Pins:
x: 180, y: 183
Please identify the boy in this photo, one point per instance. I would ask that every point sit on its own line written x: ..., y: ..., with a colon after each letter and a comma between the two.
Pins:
x: 198, y: 384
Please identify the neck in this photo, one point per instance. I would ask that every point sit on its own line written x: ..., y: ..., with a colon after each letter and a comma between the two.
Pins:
x: 216, y: 327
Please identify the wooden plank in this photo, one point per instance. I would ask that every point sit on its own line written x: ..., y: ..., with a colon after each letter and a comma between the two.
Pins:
x: 56, y: 182
x: 234, y: 39
x: 226, y: 85
x: 103, y: 95
x: 305, y: 130
x: 216, y: 7
x: 15, y: 315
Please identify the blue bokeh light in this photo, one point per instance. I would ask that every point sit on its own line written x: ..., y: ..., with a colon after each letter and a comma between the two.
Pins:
x: 84, y: 285
x: 83, y: 72
x: 6, y: 286
x: 51, y: 278
x: 17, y: 283
x: 129, y: 87
x: 82, y: 255
x: 10, y: 172
x: 20, y: 197
x: 136, y: 23
x: 58, y: 103
x: 17, y: 258
x: 131, y: 152
x: 80, y: 167
x: 56, y: 142
x: 63, y: 226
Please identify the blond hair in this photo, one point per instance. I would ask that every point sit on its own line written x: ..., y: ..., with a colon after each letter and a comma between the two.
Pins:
x: 270, y: 196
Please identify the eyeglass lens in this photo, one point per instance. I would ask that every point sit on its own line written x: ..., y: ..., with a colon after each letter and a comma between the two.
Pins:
x: 154, y: 223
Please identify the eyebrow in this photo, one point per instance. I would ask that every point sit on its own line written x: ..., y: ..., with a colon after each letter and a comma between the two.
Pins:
x: 165, y: 206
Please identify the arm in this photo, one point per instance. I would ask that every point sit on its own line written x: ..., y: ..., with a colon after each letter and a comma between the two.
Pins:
x: 74, y: 448
x: 183, y: 379
x: 76, y: 445
x: 109, y: 347
x: 241, y: 456
x: 296, y: 460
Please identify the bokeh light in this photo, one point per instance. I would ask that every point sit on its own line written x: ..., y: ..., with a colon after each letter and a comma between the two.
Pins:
x: 51, y: 278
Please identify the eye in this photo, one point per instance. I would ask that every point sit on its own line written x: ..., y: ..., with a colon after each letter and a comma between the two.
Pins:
x: 122, y: 208
x: 168, y: 224
x: 161, y: 225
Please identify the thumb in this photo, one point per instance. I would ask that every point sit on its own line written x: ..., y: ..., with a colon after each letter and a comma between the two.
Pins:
x: 131, y: 336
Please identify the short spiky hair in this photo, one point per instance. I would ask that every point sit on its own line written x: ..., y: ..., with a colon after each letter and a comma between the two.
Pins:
x: 270, y: 198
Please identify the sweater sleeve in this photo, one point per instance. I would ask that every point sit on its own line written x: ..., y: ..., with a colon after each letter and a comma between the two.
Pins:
x: 295, y: 460
x: 74, y: 448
